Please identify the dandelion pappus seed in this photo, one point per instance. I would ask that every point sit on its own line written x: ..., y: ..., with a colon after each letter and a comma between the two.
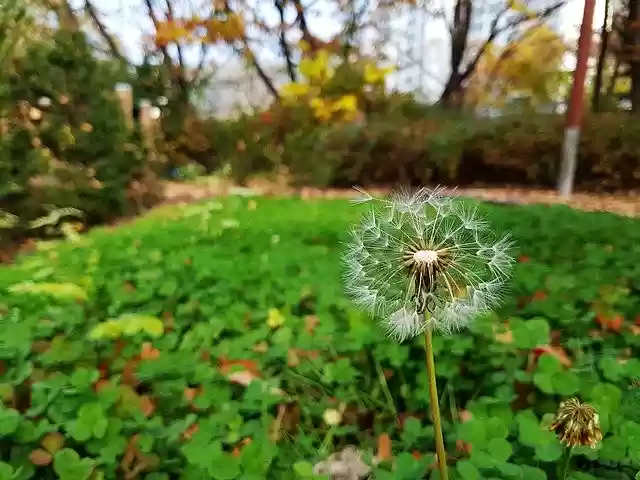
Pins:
x: 423, y: 251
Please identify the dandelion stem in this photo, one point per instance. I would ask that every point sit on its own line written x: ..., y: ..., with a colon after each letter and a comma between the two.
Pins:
x: 565, y: 461
x: 433, y: 400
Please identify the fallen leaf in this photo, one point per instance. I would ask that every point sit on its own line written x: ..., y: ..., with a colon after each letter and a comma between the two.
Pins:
x: 190, y: 431
x: 40, y: 457
x: 261, y: 347
x: 613, y: 324
x: 384, y: 448
x: 147, y: 405
x: 238, y: 448
x: 502, y: 333
x: 463, y: 447
x: 275, y: 319
x: 148, y: 352
x: 465, y: 415
x: 53, y: 442
x: 250, y: 365
x: 557, y: 351
x: 311, y: 322
x: 190, y: 394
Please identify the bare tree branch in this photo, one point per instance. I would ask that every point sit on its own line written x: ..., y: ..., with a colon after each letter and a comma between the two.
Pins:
x: 286, y: 51
x: 108, y: 38
x: 176, y: 74
x: 495, y: 31
x: 252, y: 59
x: 304, y: 25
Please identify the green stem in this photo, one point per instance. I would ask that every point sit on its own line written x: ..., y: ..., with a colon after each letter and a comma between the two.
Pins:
x: 433, y: 398
x: 565, y: 461
x: 385, y: 387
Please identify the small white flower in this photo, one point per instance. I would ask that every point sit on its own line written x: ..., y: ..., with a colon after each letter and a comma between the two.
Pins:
x: 421, y: 251
x: 332, y: 417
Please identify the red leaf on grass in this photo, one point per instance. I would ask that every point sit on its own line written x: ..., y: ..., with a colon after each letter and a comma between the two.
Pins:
x: 40, y: 457
x: 384, y: 448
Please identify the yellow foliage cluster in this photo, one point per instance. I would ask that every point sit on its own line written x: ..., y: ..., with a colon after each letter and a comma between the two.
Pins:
x: 529, y: 66
x: 228, y: 28
x: 317, y: 72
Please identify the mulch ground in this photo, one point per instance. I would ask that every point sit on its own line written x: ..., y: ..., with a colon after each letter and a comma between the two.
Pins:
x: 623, y: 204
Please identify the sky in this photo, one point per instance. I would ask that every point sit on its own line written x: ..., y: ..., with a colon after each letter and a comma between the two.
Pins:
x: 127, y: 20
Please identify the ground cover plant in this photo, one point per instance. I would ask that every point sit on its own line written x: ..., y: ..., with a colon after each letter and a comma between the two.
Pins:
x: 214, y: 341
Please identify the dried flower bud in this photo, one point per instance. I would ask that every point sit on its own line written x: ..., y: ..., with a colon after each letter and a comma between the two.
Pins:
x: 577, y: 424
x: 35, y: 114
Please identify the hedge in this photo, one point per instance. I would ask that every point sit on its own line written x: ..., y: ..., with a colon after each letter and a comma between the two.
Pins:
x: 523, y: 151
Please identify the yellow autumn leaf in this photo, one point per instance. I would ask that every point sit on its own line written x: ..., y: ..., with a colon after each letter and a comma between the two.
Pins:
x: 275, y: 319
x: 520, y: 7
x: 316, y: 69
x: 347, y: 103
x: 134, y: 323
x: 109, y: 330
x: 55, y: 290
x: 292, y: 91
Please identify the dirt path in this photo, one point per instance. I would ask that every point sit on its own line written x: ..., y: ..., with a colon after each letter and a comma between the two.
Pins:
x: 628, y: 205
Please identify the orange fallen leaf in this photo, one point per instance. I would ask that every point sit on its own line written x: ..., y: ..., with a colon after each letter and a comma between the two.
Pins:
x: 463, y: 447
x: 465, y: 415
x: 557, y: 351
x: 130, y: 454
x: 147, y: 405
x: 40, y: 457
x: 251, y: 366
x: 613, y: 324
x: 238, y: 448
x: 190, y: 431
x: 148, y: 352
x: 191, y: 393
x: 384, y: 448
x: 310, y: 323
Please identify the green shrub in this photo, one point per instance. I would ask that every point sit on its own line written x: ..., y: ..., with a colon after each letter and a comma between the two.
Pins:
x: 254, y: 285
x: 75, y: 150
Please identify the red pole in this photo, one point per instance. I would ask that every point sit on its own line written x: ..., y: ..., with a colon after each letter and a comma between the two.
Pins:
x: 576, y: 103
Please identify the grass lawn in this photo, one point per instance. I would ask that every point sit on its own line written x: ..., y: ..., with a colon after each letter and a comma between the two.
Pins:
x: 230, y: 337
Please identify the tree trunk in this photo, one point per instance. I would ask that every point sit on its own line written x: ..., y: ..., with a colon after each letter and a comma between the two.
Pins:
x: 634, y: 54
x: 453, y: 93
x: 602, y: 57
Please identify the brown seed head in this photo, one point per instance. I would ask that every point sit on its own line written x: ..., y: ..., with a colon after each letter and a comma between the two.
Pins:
x: 577, y: 424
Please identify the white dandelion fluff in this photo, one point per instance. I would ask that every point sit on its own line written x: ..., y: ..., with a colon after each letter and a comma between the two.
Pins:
x: 423, y: 251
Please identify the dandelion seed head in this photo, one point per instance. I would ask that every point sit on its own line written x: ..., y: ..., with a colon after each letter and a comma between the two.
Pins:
x: 424, y: 251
